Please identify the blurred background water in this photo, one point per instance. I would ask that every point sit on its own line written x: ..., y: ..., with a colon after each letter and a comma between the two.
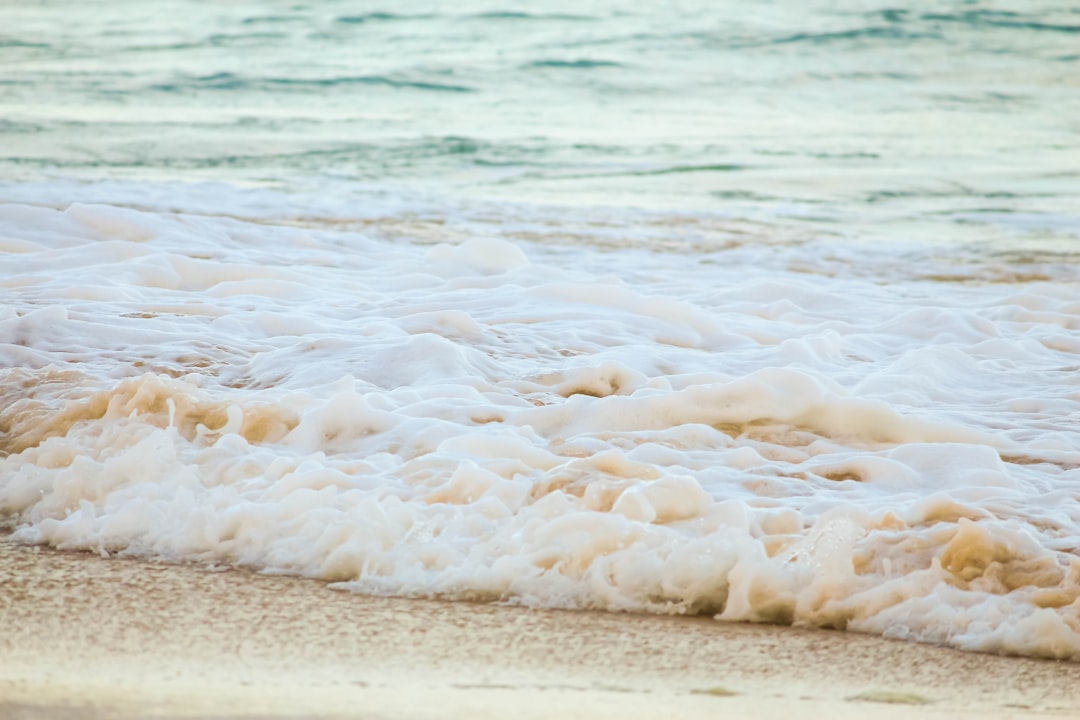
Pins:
x: 952, y: 122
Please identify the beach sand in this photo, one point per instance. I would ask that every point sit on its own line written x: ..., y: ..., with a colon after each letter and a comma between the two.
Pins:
x: 86, y: 637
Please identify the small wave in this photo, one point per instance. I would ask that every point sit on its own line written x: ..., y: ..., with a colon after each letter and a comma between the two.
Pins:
x: 679, y: 169
x: 867, y: 33
x: 370, y: 80
x: 581, y: 64
x: 378, y: 17
x: 226, y: 39
x: 671, y: 170
x: 455, y: 145
x: 845, y: 155
x: 14, y: 43
x: 519, y: 15
x: 743, y: 195
x: 231, y: 81
x: 216, y: 81
x: 258, y: 19
x: 169, y: 47
x: 893, y: 14
x: 1001, y: 19
x: 22, y: 128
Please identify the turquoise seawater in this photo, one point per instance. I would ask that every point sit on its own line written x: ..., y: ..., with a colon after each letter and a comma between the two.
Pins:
x: 928, y: 121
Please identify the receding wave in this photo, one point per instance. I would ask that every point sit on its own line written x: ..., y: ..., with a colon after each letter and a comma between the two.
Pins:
x: 767, y: 432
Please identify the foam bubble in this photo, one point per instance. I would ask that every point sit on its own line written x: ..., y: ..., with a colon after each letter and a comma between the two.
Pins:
x: 566, y: 427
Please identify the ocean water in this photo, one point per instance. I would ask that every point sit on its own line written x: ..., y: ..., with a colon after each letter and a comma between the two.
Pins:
x: 768, y: 311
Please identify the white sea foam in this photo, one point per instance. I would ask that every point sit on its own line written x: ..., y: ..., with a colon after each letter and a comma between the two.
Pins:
x: 765, y: 431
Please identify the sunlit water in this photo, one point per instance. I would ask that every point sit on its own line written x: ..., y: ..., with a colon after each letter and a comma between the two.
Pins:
x: 771, y: 313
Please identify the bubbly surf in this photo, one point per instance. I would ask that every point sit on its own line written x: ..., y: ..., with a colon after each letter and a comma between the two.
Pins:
x: 629, y: 369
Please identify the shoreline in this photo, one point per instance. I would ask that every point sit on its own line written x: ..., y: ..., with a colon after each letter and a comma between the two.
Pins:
x: 87, y: 637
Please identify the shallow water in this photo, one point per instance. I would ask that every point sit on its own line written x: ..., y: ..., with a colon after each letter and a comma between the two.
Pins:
x: 764, y: 313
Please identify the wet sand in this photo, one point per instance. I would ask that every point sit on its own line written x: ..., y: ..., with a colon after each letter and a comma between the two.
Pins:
x: 87, y: 637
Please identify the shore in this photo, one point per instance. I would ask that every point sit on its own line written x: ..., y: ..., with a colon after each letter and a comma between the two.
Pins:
x: 86, y: 637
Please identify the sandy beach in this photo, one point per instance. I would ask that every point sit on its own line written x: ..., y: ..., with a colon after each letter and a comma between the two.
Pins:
x: 88, y: 637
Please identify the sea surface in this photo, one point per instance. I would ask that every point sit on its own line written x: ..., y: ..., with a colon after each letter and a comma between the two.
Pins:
x: 769, y: 311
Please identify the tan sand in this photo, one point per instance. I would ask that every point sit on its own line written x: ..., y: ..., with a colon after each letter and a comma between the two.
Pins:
x: 86, y: 637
